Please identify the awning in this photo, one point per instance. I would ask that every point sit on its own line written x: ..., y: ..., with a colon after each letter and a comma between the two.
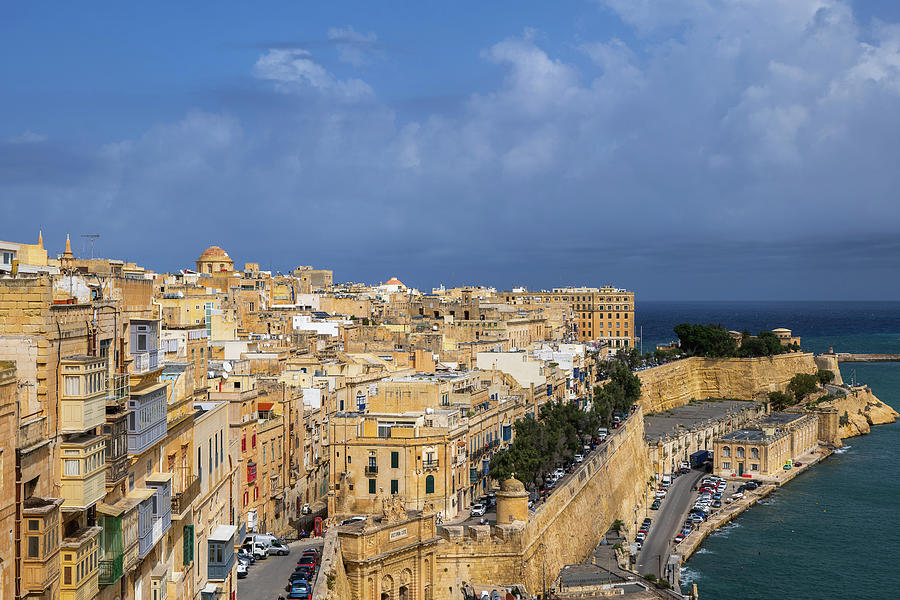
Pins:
x: 265, y: 406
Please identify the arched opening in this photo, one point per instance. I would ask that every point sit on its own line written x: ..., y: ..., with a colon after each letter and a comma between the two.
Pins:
x: 429, y: 484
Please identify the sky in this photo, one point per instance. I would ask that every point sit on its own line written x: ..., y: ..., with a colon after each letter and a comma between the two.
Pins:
x: 683, y: 149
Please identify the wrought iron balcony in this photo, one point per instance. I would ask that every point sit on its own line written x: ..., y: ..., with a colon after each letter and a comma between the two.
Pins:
x: 182, y: 500
x: 430, y: 465
x: 371, y: 469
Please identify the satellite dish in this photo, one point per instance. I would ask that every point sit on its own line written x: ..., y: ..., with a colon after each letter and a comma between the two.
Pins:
x: 224, y: 375
x: 226, y: 366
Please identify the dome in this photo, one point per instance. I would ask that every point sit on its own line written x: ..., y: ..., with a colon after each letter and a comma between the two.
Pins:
x: 512, y: 485
x: 214, y: 252
x: 394, y: 281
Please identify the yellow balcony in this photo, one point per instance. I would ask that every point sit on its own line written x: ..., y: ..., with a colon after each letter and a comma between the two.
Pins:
x: 83, y: 472
x: 82, y: 393
x: 40, y: 545
x: 80, y: 565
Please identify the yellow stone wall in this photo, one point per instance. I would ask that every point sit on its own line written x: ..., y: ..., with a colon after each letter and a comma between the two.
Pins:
x: 565, y: 529
x: 676, y: 383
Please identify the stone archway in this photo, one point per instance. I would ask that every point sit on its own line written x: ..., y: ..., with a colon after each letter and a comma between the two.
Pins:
x: 387, y: 588
x: 406, y: 590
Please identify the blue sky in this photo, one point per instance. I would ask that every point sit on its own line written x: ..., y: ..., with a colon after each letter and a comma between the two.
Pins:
x: 684, y: 149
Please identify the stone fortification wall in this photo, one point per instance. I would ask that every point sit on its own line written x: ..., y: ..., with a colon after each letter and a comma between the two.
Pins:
x: 676, y: 383
x: 859, y: 410
x: 829, y: 362
x: 331, y: 569
x: 570, y: 525
x: 563, y: 530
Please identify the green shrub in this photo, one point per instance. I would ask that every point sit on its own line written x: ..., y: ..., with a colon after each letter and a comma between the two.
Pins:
x: 825, y: 376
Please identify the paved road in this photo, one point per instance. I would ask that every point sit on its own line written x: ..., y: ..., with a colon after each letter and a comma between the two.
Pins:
x: 666, y: 522
x: 267, y: 578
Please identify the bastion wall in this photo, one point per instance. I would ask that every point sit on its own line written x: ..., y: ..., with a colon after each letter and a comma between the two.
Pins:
x: 676, y: 383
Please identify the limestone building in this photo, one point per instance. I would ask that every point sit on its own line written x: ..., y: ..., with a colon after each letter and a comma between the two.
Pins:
x: 764, y: 450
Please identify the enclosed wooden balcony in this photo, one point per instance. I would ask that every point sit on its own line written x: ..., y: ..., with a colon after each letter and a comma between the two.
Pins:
x: 80, y: 564
x: 40, y: 545
x: 82, y: 393
x: 83, y: 472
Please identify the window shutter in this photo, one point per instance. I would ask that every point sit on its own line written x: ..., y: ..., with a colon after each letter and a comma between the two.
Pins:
x: 188, y: 547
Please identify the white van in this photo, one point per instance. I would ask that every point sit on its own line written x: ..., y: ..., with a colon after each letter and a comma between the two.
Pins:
x: 666, y: 479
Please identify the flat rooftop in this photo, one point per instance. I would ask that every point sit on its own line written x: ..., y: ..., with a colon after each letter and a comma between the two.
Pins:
x: 778, y: 419
x: 745, y: 435
x: 691, y: 415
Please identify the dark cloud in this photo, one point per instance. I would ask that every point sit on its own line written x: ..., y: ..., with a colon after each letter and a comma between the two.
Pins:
x: 729, y: 152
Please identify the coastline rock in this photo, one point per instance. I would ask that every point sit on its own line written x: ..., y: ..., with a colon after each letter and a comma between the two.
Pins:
x: 859, y: 410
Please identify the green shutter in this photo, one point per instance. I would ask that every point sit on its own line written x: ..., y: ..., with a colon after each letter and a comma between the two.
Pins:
x: 188, y: 547
x: 395, y: 486
x: 371, y: 486
x: 395, y: 460
x: 429, y: 484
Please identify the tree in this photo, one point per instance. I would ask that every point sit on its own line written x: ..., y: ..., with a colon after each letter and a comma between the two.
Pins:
x: 780, y: 400
x: 705, y: 340
x: 825, y: 376
x: 802, y: 384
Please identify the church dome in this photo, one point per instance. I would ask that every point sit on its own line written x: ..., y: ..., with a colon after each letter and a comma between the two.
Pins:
x: 214, y: 252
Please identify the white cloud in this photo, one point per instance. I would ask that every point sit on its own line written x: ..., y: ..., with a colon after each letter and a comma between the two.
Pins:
x: 294, y: 70
x: 353, y: 47
x: 27, y: 137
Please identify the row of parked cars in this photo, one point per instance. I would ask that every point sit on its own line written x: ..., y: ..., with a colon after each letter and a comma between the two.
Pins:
x: 712, y: 494
x: 299, y: 585
x: 258, y: 546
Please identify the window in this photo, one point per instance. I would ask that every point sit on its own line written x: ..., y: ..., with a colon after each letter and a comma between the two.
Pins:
x: 149, y: 467
x: 131, y: 481
x: 740, y: 452
x: 429, y: 484
x: 73, y: 386
x: 754, y: 466
x: 34, y: 546
x: 395, y: 486
x: 726, y: 451
x: 371, y: 486
x: 726, y: 465
x: 395, y: 460
x: 199, y: 464
x: 754, y: 452
x: 142, y: 342
x: 8, y: 258
x: 72, y: 467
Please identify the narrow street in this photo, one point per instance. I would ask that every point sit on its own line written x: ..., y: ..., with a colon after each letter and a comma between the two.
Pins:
x: 267, y: 578
x: 667, y: 522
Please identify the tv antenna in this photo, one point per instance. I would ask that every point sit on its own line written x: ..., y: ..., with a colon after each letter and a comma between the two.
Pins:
x: 92, y: 237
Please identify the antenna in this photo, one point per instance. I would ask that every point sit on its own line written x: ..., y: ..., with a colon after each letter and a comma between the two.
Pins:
x: 92, y: 237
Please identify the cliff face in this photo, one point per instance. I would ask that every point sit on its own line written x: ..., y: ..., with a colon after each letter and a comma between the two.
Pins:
x: 859, y: 410
x: 675, y: 384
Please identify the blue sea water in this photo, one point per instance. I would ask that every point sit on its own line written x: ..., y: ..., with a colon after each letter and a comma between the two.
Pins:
x: 833, y: 531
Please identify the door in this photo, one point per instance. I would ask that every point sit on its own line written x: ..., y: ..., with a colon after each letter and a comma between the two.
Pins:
x: 740, y: 469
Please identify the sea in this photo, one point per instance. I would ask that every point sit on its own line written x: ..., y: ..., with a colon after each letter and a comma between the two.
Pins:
x: 832, y: 532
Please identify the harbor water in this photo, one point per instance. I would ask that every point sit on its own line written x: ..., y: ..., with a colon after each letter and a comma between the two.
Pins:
x: 832, y: 532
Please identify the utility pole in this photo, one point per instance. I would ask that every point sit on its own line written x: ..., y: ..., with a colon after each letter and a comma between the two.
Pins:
x: 92, y: 237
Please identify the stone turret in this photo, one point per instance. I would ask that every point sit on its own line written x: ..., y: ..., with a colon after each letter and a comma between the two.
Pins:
x: 829, y: 362
x: 512, y: 502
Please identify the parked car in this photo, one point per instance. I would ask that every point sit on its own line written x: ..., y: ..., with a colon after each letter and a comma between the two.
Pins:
x: 244, y: 555
x: 559, y: 473
x: 679, y: 538
x: 278, y: 548
x: 641, y: 536
x: 301, y: 574
x: 353, y: 520
x: 579, y: 458
x: 478, y: 510
x: 299, y: 591
x: 242, y: 569
x: 257, y: 549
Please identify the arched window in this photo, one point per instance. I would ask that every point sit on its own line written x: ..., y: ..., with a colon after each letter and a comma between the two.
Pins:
x: 754, y: 452
x: 429, y: 484
x: 740, y: 452
x: 726, y: 451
